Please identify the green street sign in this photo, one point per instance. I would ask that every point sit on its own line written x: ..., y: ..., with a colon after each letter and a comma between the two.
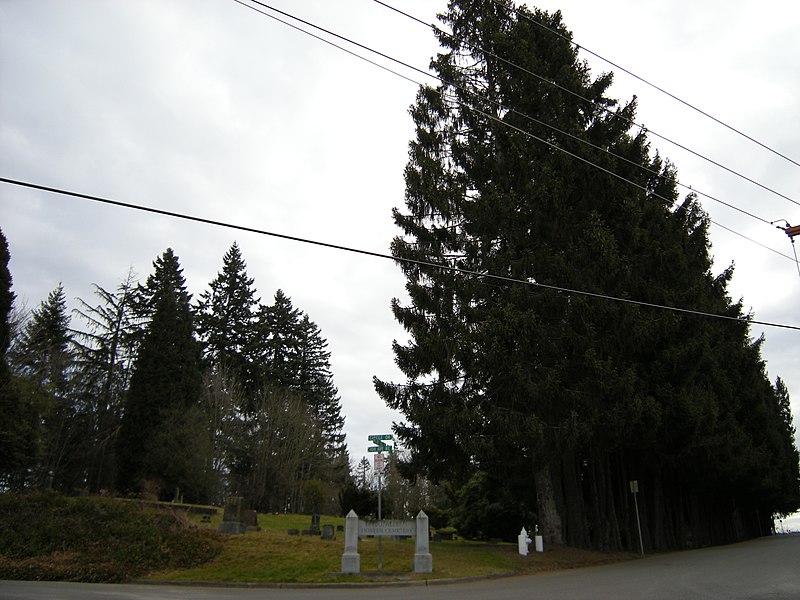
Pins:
x: 378, y: 438
x: 383, y: 448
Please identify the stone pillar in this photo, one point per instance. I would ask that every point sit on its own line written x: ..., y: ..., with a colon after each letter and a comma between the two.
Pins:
x: 351, y: 561
x: 423, y: 561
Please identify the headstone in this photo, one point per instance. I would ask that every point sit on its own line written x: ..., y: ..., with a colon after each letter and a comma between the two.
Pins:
x: 315, y: 523
x: 423, y: 561
x: 351, y: 561
x: 250, y: 520
x: 232, y: 518
x: 327, y: 532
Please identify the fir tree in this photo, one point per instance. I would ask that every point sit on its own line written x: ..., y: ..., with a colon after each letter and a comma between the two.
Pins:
x: 559, y: 395
x: 164, y: 440
x: 225, y: 316
x: 18, y: 427
x: 276, y: 347
x: 44, y: 359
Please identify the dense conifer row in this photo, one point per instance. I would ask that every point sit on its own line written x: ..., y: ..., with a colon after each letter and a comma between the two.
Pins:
x: 548, y: 403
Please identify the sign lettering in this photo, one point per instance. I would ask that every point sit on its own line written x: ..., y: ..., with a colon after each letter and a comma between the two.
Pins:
x: 386, y: 527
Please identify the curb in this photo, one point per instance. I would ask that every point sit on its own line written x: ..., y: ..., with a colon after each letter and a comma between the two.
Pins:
x: 332, y: 585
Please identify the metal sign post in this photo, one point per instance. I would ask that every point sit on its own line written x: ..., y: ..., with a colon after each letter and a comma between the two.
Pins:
x: 634, y: 491
x: 381, y: 446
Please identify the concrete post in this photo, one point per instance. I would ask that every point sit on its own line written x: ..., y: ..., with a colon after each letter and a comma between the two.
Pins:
x: 423, y: 561
x: 351, y: 561
x: 522, y: 542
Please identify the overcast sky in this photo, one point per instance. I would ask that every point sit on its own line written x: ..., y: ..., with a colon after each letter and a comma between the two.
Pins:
x: 208, y: 108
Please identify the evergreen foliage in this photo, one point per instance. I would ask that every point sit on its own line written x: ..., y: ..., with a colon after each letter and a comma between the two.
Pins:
x: 18, y: 422
x: 564, y: 398
x: 105, y: 353
x: 43, y: 356
x: 163, y: 437
x: 275, y: 412
x: 132, y: 402
x: 225, y: 316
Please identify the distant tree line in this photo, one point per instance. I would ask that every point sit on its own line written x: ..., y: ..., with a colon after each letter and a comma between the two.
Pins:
x: 148, y: 393
x: 534, y: 405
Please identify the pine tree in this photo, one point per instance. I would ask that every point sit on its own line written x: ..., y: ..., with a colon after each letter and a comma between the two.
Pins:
x: 44, y: 359
x: 225, y: 316
x: 315, y: 384
x: 276, y: 347
x: 18, y: 427
x: 164, y: 440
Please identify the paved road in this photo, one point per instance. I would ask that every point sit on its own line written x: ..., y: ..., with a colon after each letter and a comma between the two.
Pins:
x: 767, y: 568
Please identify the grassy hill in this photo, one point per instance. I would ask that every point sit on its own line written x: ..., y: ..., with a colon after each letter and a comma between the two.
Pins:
x: 46, y: 536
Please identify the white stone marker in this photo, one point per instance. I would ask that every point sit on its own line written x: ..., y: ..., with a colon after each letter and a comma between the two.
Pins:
x: 423, y: 561
x: 522, y: 542
x: 351, y: 560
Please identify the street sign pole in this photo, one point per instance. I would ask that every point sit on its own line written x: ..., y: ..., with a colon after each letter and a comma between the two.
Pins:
x: 380, y: 447
x: 634, y: 491
x: 380, y: 537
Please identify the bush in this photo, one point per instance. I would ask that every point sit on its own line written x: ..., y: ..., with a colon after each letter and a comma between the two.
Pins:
x: 487, y: 509
x: 95, y: 539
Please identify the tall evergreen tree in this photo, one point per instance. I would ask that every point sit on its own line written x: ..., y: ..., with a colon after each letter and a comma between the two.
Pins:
x: 551, y: 394
x: 225, y: 316
x: 315, y: 384
x: 276, y: 347
x: 18, y: 427
x: 164, y: 440
x: 44, y: 359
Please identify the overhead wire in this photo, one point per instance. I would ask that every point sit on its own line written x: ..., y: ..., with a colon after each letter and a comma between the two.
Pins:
x: 416, y: 262
x: 572, y: 136
x: 632, y: 123
x: 555, y: 146
x: 646, y: 82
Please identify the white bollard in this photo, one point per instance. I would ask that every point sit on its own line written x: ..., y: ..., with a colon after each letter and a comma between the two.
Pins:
x: 522, y: 542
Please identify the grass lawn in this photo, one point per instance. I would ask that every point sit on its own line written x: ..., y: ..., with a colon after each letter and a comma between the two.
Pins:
x: 273, y: 556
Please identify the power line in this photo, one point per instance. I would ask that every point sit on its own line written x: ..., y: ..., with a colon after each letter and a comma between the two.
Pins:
x: 630, y: 122
x: 420, y: 263
x: 499, y: 105
x: 646, y: 82
x: 330, y: 43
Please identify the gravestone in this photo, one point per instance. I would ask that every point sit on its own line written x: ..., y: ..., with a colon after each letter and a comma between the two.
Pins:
x: 250, y: 519
x: 327, y: 532
x: 315, y: 524
x: 233, y: 518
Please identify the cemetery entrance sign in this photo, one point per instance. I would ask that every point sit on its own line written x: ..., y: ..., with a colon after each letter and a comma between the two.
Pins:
x: 354, y: 527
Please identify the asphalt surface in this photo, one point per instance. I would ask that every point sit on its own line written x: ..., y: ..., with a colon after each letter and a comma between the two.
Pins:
x: 767, y: 568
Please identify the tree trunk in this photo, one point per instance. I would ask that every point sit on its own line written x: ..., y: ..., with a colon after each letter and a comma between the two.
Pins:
x: 549, y: 519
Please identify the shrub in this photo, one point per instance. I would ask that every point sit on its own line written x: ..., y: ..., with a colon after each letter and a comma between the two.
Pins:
x: 52, y: 537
